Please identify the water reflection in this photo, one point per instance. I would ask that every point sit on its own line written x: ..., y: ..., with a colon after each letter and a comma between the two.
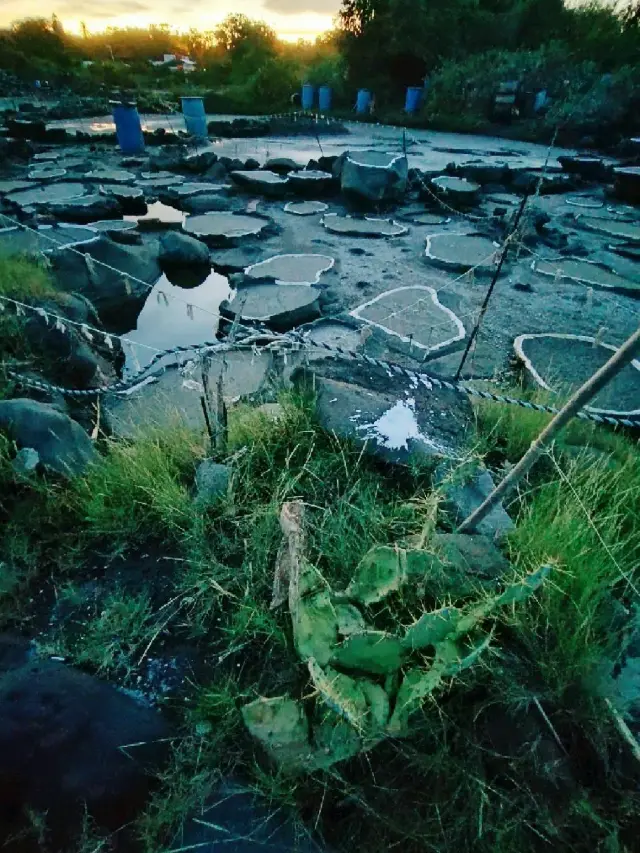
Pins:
x: 162, y: 212
x: 175, y: 316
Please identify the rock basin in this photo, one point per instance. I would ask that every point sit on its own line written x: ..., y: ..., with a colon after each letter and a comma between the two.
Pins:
x: 47, y: 194
x: 367, y: 227
x: 559, y: 362
x: 415, y: 316
x: 220, y: 228
x: 461, y: 252
x: 589, y: 273
x: 280, y: 308
x: 291, y: 269
x: 45, y: 238
x: 305, y: 208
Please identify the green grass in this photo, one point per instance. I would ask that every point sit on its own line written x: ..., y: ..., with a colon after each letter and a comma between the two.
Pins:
x: 481, y: 770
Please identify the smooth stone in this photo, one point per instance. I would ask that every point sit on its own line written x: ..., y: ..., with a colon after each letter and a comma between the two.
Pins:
x: 461, y: 252
x: 424, y: 218
x: 333, y: 333
x: 387, y: 415
x: 157, y: 183
x: 46, y: 156
x: 587, y: 272
x: 122, y: 191
x: 282, y: 165
x: 212, y: 481
x: 62, y: 445
x: 583, y: 201
x: 458, y: 190
x: 305, y: 208
x: 308, y: 182
x: 463, y: 491
x: 281, y: 308
x: 291, y: 269
x: 562, y: 363
x: 627, y: 183
x: 367, y: 227
x: 180, y: 249
x: 373, y: 177
x: 263, y: 181
x: 222, y: 227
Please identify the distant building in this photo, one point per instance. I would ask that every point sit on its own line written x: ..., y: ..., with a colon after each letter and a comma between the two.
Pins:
x: 178, y: 63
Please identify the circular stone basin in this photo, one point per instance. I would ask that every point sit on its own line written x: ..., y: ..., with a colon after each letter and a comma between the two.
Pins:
x: 47, y: 238
x: 562, y: 363
x: 456, y: 188
x: 105, y: 225
x: 610, y: 227
x: 584, y: 201
x: 185, y: 190
x: 367, y: 227
x: 218, y: 226
x: 46, y: 174
x: 282, y: 308
x: 46, y: 155
x: 47, y: 195
x: 110, y: 176
x: 462, y: 252
x: 291, y: 269
x: 15, y: 186
x: 586, y: 272
x: 305, y: 208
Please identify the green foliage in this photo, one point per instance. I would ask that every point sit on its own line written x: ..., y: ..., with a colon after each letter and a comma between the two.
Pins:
x: 140, y: 488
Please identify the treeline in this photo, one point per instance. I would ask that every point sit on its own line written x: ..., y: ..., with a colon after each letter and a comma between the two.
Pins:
x: 584, y: 56
x: 242, y: 63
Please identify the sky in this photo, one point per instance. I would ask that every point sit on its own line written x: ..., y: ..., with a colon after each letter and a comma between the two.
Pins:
x: 291, y: 19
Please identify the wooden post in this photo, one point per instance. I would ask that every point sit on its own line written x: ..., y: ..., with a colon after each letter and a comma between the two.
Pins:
x: 586, y: 392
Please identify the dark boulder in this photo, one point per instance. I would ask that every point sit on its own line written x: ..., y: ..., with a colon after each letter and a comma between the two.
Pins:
x: 62, y: 445
x: 63, y: 750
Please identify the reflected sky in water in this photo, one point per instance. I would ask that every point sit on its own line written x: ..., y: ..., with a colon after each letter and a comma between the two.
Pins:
x: 169, y: 322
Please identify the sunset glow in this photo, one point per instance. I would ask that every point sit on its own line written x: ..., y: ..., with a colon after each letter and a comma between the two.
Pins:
x: 292, y: 19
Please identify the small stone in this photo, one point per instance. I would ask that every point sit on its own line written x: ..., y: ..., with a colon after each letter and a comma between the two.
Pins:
x: 463, y: 493
x: 180, y: 249
x: 212, y: 481
x: 26, y: 460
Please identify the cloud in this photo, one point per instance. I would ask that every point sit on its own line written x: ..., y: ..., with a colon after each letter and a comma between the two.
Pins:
x: 99, y: 9
x: 298, y: 7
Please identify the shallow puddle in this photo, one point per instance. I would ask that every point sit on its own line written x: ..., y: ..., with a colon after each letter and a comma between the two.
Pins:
x: 175, y: 315
x: 163, y: 213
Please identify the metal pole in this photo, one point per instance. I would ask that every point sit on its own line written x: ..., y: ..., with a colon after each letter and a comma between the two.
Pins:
x: 496, y: 275
x: 586, y: 392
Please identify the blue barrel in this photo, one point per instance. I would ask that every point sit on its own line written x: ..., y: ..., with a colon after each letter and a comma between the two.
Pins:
x: 414, y: 97
x: 128, y: 128
x: 363, y: 101
x: 308, y: 96
x: 195, y: 118
x: 324, y: 99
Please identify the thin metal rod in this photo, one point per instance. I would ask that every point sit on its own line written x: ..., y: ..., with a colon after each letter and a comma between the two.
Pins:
x: 582, y: 396
x: 496, y: 276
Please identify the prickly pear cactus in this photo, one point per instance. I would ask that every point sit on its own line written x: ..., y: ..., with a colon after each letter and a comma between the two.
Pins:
x: 348, y: 659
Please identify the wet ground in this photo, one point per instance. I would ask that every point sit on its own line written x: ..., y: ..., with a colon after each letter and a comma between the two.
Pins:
x: 407, y: 296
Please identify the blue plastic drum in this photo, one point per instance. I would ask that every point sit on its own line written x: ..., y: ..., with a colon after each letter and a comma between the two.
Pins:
x: 413, y: 100
x: 363, y: 101
x: 324, y: 99
x: 308, y: 96
x: 128, y: 128
x: 195, y: 118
